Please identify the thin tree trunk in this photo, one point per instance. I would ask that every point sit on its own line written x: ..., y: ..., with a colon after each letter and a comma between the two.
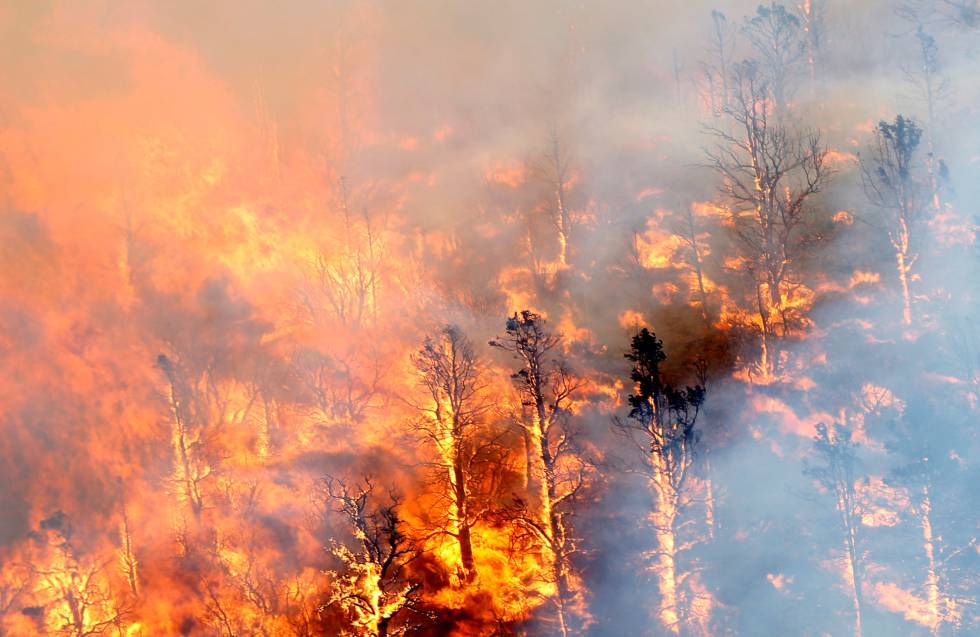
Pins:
x: 561, y: 584
x: 462, y: 522
x: 810, y: 27
x: 709, y: 501
x: 903, y: 277
x: 857, y: 594
x: 698, y: 270
x: 562, y: 588
x: 264, y: 442
x: 128, y: 556
x: 663, y: 517
x: 549, y: 516
x: 563, y: 225
x: 932, y: 575
x: 183, y: 472
x: 722, y: 60
x: 543, y: 456
x: 768, y: 366
x: 528, y: 459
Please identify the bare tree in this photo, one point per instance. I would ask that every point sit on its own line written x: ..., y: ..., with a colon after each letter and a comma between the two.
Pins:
x: 685, y: 226
x: 128, y: 563
x: 661, y: 426
x: 836, y: 471
x: 373, y: 590
x: 450, y: 373
x: 770, y: 172
x: 927, y: 76
x: 553, y: 168
x: 776, y: 35
x: 342, y: 386
x: 897, y: 195
x: 78, y: 597
x: 340, y: 293
x: 813, y: 15
x: 718, y: 69
x: 247, y: 590
x: 557, y: 470
x: 341, y: 285
x: 201, y: 404
x: 189, y: 437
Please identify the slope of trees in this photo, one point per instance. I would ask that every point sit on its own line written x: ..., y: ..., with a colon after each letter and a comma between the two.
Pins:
x: 292, y: 356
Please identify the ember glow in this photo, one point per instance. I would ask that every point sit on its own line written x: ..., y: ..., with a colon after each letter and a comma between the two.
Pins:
x: 489, y: 319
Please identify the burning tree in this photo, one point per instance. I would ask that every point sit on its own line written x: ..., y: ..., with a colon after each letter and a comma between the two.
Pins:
x: 892, y: 185
x: 556, y: 470
x: 770, y: 173
x: 342, y: 281
x: 813, y: 13
x: 248, y: 589
x: 190, y: 436
x: 340, y: 295
x: 836, y: 471
x: 554, y: 169
x: 202, y: 403
x: 450, y: 374
x: 661, y: 425
x: 128, y: 563
x: 76, y: 595
x: 342, y: 387
x: 15, y: 584
x: 373, y: 591
x: 687, y: 227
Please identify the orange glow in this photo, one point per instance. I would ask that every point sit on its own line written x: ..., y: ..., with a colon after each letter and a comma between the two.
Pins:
x: 509, y: 174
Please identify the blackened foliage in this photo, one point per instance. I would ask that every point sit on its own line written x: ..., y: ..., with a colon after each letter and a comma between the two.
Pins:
x: 903, y: 136
x: 672, y: 411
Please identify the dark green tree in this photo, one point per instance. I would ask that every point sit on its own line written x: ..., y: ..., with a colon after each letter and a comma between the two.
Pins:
x: 661, y: 425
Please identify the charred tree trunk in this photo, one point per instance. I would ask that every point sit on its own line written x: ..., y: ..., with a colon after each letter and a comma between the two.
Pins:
x: 543, y: 481
x: 462, y: 520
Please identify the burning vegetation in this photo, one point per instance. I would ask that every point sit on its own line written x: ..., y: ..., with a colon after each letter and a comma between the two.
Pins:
x: 514, y: 319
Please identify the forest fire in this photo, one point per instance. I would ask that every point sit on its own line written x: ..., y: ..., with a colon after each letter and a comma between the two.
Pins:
x: 513, y: 319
